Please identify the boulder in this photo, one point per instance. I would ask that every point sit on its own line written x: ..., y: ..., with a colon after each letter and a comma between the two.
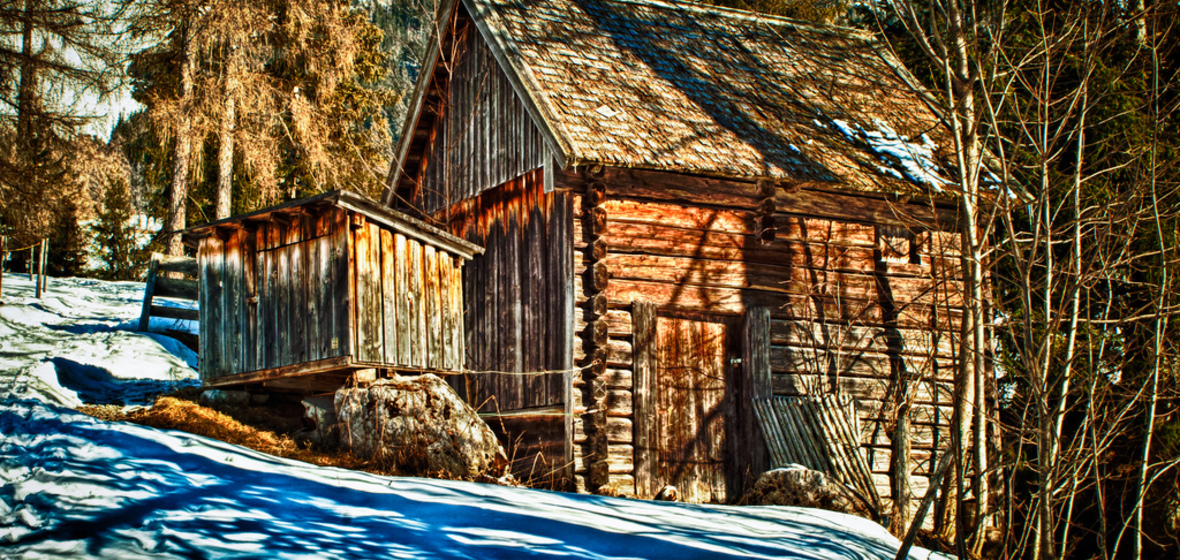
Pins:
x: 419, y: 426
x: 803, y: 487
x: 319, y: 414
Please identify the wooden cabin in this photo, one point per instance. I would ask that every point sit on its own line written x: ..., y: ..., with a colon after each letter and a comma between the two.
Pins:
x: 687, y: 211
x: 304, y: 295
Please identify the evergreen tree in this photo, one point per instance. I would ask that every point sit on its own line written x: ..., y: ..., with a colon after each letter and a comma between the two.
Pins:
x: 115, y: 234
x: 67, y: 254
x: 53, y: 54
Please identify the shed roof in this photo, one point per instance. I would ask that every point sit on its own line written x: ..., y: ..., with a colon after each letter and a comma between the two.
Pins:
x: 396, y: 221
x: 684, y: 87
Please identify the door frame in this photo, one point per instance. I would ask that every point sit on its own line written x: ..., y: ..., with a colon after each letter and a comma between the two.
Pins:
x: 750, y: 378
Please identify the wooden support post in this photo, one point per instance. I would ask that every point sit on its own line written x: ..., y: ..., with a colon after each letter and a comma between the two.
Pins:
x: 44, y: 264
x: 755, y: 385
x: 643, y: 333
x: 31, y: 262
x: 3, y: 256
x: 40, y: 267
x: 149, y: 292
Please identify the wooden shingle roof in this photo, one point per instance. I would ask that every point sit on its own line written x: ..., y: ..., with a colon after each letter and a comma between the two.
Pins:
x: 677, y: 86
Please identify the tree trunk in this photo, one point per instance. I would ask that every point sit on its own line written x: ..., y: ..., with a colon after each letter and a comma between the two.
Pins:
x: 178, y: 193
x: 899, y: 467
x: 28, y: 79
x: 225, y: 152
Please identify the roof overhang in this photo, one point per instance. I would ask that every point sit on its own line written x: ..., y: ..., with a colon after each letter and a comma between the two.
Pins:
x: 348, y: 200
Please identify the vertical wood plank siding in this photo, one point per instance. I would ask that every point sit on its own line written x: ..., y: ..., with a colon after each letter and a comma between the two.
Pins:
x: 299, y: 287
x: 515, y: 294
x: 485, y: 137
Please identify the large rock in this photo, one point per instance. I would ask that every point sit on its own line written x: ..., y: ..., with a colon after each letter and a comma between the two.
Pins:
x: 420, y: 426
x: 319, y: 415
x: 799, y: 486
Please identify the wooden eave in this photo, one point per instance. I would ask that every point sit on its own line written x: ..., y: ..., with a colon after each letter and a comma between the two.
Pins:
x: 426, y: 82
x: 348, y: 200
x: 415, y: 136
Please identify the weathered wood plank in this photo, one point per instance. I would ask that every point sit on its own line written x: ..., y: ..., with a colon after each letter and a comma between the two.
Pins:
x: 450, y: 284
x: 857, y: 338
x: 403, y: 297
x: 211, y: 307
x: 175, y: 288
x: 389, y: 288
x: 417, y: 307
x: 511, y: 314
x: 864, y: 388
x: 755, y: 385
x: 299, y: 300
x: 232, y: 303
x: 865, y: 364
x: 343, y: 278
x: 283, y: 311
x: 325, y: 290
x: 430, y: 296
x: 694, y: 218
x: 249, y: 318
x: 369, y: 301
x: 264, y: 344
x: 680, y: 188
x: 173, y: 263
x: 293, y: 370
x: 168, y: 312
x: 310, y: 283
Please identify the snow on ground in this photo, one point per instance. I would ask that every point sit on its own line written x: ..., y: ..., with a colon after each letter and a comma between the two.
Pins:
x: 81, y: 334
x: 74, y: 486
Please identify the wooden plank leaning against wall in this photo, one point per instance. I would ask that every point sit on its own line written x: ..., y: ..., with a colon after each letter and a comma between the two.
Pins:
x: 813, y: 259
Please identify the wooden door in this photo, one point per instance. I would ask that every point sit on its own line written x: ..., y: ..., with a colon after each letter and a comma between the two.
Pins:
x: 694, y: 406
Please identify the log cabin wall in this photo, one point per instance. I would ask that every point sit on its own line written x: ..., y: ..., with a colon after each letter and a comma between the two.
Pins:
x: 518, y: 306
x: 482, y: 135
x: 317, y: 289
x: 862, y: 294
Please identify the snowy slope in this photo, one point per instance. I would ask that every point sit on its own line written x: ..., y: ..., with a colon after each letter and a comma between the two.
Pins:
x: 76, y: 487
x: 81, y: 333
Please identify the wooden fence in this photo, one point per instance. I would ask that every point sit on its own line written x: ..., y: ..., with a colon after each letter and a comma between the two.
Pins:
x: 162, y: 282
x: 37, y: 263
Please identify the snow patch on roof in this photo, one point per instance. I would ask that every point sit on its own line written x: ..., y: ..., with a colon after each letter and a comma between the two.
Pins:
x: 903, y: 157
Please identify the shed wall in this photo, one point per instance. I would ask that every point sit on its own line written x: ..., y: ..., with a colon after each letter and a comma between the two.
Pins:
x: 519, y: 304
x: 307, y: 286
x: 857, y: 300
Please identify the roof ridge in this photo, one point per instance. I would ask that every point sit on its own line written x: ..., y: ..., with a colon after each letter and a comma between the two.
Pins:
x: 702, y: 8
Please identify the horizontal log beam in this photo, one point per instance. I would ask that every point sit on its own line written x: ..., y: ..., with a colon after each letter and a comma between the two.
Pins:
x: 176, y: 313
x: 176, y: 288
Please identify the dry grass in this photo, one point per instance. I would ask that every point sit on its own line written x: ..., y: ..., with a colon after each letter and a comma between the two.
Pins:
x: 268, y: 429
x: 172, y: 413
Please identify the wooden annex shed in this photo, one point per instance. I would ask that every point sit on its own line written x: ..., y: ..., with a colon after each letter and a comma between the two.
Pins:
x: 300, y: 296
x: 686, y: 211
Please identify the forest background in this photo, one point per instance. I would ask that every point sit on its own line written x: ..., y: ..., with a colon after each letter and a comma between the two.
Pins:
x: 1074, y: 102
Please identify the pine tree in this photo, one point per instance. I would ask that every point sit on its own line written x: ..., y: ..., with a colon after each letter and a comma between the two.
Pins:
x: 53, y: 53
x: 67, y: 255
x: 116, y: 236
